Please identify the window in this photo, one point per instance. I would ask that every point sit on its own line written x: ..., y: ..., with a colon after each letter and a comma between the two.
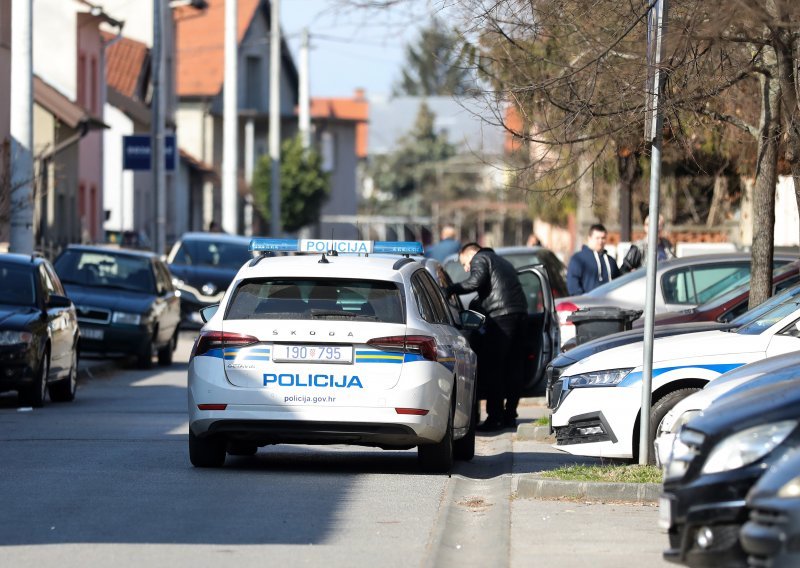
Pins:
x: 82, y: 79
x: 316, y: 299
x: 59, y: 289
x: 17, y: 285
x: 328, y: 151
x: 422, y: 301
x: 5, y: 23
x: 253, y: 81
x: 48, y: 285
x: 532, y: 286
x: 93, y: 85
x: 213, y: 253
x: 439, y: 308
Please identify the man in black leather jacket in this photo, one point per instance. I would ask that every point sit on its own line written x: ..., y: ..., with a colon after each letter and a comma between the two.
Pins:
x: 505, y: 306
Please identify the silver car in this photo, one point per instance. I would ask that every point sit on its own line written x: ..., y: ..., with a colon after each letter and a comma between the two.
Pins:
x: 681, y: 283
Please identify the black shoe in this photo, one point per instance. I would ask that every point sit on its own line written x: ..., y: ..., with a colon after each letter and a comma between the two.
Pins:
x: 510, y: 422
x: 491, y: 425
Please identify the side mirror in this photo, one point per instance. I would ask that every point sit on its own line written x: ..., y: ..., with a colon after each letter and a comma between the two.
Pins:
x: 471, y: 319
x: 57, y: 301
x: 208, y: 312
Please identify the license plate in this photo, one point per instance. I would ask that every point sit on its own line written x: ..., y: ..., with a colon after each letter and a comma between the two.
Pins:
x: 313, y: 353
x: 92, y: 334
x: 664, y: 513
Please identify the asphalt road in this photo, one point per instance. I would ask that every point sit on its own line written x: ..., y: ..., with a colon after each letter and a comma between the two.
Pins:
x: 107, y: 479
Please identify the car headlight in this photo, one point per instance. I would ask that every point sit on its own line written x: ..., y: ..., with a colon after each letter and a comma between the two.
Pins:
x: 15, y: 337
x: 790, y: 490
x: 127, y: 318
x: 684, y: 450
x: 608, y: 378
x: 747, y: 446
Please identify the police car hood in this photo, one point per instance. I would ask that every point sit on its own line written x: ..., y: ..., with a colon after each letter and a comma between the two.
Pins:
x: 667, y: 350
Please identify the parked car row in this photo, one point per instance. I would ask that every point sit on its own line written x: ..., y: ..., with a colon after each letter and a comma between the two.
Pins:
x: 103, y: 301
x: 732, y: 477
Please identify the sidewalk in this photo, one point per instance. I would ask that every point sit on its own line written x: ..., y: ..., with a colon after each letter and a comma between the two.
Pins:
x: 609, y: 525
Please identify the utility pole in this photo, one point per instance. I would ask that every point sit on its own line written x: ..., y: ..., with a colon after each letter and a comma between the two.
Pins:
x: 275, y: 119
x: 230, y: 126
x: 656, y: 24
x: 21, y: 158
x: 157, y: 131
x: 305, y: 99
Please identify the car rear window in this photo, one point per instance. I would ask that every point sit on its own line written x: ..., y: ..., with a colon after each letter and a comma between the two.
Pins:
x: 17, y: 285
x: 212, y: 253
x: 108, y: 270
x: 317, y: 299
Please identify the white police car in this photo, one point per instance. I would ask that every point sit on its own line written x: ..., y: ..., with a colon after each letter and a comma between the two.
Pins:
x: 342, y: 346
x: 599, y: 398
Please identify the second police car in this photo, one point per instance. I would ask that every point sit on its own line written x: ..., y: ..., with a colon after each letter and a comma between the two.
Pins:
x: 598, y: 399
x: 356, y: 348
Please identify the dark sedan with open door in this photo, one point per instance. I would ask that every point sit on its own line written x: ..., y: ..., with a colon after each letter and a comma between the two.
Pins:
x: 38, y: 332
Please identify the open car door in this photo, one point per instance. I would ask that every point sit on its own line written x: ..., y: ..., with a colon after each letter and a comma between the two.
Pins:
x: 542, y: 333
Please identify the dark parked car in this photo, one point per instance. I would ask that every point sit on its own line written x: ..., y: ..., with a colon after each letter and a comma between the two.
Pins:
x: 519, y: 257
x: 729, y: 305
x: 125, y: 300
x: 204, y: 265
x: 717, y: 457
x: 772, y: 535
x: 38, y: 332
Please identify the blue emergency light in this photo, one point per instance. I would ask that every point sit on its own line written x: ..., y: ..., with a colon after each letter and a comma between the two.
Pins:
x: 325, y: 246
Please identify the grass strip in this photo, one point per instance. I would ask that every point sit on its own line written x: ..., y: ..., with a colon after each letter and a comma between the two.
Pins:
x: 606, y: 473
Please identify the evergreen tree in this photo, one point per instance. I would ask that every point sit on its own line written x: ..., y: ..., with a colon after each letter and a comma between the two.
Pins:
x: 304, y: 186
x: 433, y: 66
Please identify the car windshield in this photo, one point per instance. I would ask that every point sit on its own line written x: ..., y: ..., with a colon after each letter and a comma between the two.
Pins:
x: 769, y: 313
x: 106, y: 269
x: 222, y: 254
x: 316, y: 299
x: 17, y: 285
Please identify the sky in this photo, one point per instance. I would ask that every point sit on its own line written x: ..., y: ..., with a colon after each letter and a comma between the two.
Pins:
x: 353, y: 47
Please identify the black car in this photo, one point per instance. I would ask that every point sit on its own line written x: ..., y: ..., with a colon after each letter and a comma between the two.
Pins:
x: 772, y: 535
x: 38, y: 332
x: 717, y: 457
x: 204, y: 265
x: 125, y: 299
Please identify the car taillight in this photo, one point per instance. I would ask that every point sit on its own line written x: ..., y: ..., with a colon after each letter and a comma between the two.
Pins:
x: 422, y: 344
x: 209, y: 340
x: 564, y: 310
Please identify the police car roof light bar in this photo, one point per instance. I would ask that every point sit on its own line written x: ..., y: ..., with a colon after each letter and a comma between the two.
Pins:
x: 336, y: 246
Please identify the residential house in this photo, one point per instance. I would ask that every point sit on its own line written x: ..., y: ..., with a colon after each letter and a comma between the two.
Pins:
x: 340, y: 133
x: 77, y: 74
x: 59, y: 128
x: 128, y: 194
x: 200, y: 75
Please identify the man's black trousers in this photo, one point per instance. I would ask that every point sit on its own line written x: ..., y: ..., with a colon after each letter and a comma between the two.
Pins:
x: 503, y: 365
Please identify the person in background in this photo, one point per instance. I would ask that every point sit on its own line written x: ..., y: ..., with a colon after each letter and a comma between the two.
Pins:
x: 636, y: 256
x: 501, y: 359
x: 591, y: 266
x: 446, y: 246
x: 533, y: 240
x: 214, y: 227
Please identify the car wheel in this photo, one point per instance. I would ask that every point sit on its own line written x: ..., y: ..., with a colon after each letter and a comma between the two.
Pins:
x: 659, y: 411
x: 438, y: 457
x: 144, y: 360
x: 36, y: 393
x: 64, y: 390
x: 464, y: 449
x: 206, y: 452
x: 165, y: 353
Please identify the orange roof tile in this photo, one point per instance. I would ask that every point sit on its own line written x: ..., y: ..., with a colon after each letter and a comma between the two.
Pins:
x: 514, y: 126
x: 352, y: 110
x: 201, y: 46
x: 125, y: 63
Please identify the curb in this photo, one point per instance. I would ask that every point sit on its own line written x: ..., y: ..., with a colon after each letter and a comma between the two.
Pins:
x: 530, y: 486
x: 532, y: 432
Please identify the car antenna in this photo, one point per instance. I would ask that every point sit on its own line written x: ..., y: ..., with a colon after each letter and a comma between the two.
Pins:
x: 332, y: 252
